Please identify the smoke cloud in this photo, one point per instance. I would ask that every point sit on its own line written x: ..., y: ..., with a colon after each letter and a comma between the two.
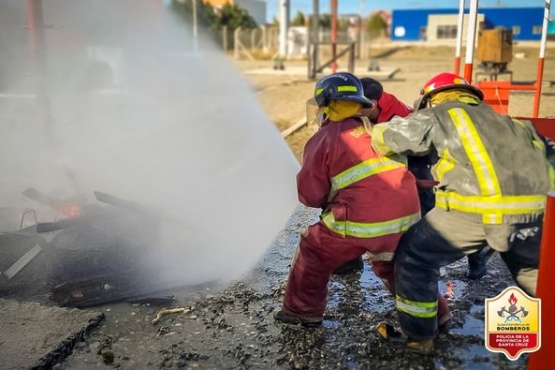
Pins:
x: 116, y: 98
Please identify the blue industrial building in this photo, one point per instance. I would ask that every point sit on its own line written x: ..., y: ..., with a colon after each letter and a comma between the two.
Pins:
x: 412, y: 24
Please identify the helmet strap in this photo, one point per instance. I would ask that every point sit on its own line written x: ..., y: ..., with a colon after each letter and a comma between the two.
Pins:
x: 366, y: 123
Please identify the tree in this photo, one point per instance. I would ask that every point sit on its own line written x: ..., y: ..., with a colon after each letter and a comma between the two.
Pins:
x: 325, y: 21
x: 299, y: 19
x: 376, y: 25
x: 234, y: 16
x: 231, y: 16
x: 206, y: 16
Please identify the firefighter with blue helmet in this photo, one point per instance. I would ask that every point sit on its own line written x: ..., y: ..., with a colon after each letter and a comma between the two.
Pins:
x: 368, y: 200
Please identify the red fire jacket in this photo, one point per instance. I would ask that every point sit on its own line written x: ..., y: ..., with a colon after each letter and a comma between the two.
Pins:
x: 391, y: 106
x: 363, y: 195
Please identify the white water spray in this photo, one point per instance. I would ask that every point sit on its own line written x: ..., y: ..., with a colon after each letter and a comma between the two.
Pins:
x: 130, y: 110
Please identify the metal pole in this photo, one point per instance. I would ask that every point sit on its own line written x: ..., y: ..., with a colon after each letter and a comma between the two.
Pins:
x: 363, y: 40
x: 35, y: 20
x: 470, y: 39
x: 543, y: 358
x: 283, y: 27
x: 334, y: 35
x: 459, y: 37
x: 195, y: 27
x: 315, y: 53
x: 539, y: 76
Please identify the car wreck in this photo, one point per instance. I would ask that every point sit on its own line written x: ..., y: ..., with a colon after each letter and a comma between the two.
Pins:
x: 91, y: 253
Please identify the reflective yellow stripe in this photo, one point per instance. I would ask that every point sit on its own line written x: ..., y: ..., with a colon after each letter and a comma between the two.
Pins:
x: 445, y: 164
x: 378, y: 142
x: 369, y: 229
x: 386, y: 256
x: 347, y: 88
x: 538, y: 143
x: 508, y: 205
x: 416, y: 309
x: 551, y: 176
x: 476, y: 152
x: 318, y: 91
x: 361, y: 171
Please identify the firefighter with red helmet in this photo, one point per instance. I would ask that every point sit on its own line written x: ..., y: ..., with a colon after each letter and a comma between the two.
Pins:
x: 386, y: 106
x: 367, y: 200
x: 493, y: 180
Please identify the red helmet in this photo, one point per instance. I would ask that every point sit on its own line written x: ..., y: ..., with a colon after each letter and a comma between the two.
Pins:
x: 446, y: 81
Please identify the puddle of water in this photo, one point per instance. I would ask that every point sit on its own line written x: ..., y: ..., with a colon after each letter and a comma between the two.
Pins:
x: 331, y: 324
x: 477, y: 357
x: 376, y: 296
x: 472, y: 325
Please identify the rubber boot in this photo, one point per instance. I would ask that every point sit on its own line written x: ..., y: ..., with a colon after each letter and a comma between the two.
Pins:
x: 477, y: 263
x: 350, y: 267
x: 287, y: 317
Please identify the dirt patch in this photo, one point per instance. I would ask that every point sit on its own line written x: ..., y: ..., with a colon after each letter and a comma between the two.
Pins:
x: 31, y: 333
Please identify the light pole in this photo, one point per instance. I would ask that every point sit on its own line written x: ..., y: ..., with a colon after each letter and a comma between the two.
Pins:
x: 284, y: 10
x: 195, y: 27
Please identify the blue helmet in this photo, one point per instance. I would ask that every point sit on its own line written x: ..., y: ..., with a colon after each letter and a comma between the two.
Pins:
x: 340, y: 86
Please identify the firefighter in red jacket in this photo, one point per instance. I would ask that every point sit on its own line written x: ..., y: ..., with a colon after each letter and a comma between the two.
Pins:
x: 368, y: 200
x: 384, y: 107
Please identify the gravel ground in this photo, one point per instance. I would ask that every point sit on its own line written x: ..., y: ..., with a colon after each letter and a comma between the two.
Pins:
x: 232, y: 327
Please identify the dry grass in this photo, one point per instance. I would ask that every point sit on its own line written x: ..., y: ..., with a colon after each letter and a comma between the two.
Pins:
x: 284, y: 97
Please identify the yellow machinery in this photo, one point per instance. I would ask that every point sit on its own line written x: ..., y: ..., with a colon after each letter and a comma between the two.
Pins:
x: 495, y: 51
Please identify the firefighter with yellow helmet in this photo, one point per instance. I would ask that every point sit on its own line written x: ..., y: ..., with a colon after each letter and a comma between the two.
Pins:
x: 493, y: 179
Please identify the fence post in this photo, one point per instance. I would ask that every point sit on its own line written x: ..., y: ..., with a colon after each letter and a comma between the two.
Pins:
x: 236, y: 43
x: 224, y: 38
x: 352, y: 55
x: 543, y: 358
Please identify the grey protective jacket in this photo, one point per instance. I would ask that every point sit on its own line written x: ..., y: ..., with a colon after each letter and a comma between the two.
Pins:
x: 486, y: 163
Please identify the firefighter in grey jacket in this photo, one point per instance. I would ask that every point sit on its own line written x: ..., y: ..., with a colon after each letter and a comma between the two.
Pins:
x: 493, y: 179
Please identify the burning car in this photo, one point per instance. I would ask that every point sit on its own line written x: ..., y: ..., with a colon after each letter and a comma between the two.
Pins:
x: 90, y: 254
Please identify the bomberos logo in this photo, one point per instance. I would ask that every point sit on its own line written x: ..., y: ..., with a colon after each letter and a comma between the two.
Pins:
x: 513, y: 321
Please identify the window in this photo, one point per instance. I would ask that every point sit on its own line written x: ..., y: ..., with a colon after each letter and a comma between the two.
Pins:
x: 516, y: 30
x: 423, y: 33
x: 536, y: 30
x: 399, y: 31
x: 447, y: 32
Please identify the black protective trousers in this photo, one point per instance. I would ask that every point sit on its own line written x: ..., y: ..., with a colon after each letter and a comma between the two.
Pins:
x: 443, y: 237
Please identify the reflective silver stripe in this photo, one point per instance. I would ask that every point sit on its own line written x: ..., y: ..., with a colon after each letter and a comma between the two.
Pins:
x: 369, y: 230
x: 386, y: 256
x: 361, y: 171
x: 416, y: 309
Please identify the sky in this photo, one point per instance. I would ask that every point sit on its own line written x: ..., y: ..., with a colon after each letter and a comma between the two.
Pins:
x: 367, y: 6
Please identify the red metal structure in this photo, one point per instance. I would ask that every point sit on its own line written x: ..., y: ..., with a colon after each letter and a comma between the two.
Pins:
x: 543, y: 359
x: 35, y: 24
x: 334, y: 35
x: 496, y: 93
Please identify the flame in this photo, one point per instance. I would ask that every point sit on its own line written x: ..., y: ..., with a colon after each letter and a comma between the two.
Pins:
x: 512, y: 299
x: 71, y: 210
x: 450, y: 289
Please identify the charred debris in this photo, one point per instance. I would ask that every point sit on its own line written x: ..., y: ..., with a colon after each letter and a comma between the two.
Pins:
x: 90, y: 253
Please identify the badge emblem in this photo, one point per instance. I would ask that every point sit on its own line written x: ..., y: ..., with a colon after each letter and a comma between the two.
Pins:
x: 513, y: 322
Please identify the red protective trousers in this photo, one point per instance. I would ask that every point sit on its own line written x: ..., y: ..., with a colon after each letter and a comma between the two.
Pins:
x: 319, y: 253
